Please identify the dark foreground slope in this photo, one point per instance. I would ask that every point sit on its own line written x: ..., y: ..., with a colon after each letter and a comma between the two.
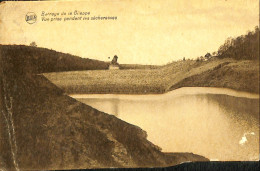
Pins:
x: 41, y: 128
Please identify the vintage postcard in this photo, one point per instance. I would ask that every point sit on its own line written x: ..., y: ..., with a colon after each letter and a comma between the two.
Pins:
x: 128, y: 83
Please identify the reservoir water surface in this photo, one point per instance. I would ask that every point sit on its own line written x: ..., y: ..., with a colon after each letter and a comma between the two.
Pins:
x: 218, y: 123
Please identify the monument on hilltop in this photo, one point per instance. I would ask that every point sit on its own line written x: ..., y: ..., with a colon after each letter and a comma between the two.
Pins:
x: 114, y: 64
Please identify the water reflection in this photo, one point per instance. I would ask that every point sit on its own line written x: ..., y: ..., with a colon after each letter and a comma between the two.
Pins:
x: 110, y: 105
x: 197, y: 121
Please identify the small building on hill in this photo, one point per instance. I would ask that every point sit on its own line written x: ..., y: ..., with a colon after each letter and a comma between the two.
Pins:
x: 114, y: 64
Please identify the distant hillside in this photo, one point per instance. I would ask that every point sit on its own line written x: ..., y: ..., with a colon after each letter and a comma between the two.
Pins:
x: 138, y: 66
x: 240, y: 75
x: 38, y: 60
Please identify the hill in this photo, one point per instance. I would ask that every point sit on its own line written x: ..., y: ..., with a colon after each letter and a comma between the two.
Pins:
x: 41, y: 128
x: 138, y: 66
x: 38, y: 60
x: 242, y: 75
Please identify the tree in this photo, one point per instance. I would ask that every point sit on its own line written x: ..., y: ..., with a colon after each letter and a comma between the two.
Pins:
x: 33, y: 44
x: 208, y: 55
x: 241, y: 47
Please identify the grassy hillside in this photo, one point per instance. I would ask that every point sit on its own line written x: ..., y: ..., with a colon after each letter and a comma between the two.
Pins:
x: 41, y: 128
x: 240, y: 75
x: 108, y: 81
x: 138, y: 66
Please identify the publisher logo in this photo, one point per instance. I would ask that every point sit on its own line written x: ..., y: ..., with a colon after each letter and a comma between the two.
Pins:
x: 30, y: 17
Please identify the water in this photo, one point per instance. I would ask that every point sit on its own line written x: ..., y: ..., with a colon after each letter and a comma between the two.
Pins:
x: 220, y: 124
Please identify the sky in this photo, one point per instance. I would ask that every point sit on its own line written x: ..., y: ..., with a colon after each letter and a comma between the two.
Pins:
x: 145, y: 32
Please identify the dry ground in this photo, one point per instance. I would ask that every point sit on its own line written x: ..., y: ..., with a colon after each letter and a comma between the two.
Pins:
x: 227, y: 73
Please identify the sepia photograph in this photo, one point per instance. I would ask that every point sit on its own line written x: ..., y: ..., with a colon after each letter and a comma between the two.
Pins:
x: 101, y: 84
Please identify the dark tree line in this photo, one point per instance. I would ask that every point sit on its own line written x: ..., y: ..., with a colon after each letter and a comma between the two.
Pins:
x: 242, y: 47
x: 23, y: 59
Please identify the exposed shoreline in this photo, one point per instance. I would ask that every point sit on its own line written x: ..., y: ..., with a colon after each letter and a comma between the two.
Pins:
x: 179, y: 91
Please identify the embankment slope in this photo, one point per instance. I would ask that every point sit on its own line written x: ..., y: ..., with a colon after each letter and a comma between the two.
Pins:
x: 242, y: 75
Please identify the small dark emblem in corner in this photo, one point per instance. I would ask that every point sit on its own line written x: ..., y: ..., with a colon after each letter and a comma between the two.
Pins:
x: 30, y: 17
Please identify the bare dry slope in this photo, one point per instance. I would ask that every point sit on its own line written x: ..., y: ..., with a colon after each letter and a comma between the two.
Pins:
x: 240, y: 75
